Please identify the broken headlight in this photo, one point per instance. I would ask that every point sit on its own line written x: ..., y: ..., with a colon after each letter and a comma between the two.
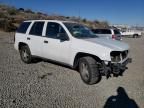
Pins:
x: 117, y: 56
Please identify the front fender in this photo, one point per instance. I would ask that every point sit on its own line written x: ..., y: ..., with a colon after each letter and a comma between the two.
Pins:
x: 103, y: 56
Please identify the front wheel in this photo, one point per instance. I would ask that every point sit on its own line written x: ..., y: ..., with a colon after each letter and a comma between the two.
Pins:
x: 89, y: 70
x: 25, y: 54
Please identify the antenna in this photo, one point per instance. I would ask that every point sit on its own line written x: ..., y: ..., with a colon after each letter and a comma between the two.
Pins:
x: 79, y: 15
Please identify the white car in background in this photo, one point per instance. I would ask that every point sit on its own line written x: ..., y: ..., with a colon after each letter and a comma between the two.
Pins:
x: 132, y: 33
x: 108, y: 33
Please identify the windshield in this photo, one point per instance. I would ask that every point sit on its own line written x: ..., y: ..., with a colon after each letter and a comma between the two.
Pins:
x: 79, y: 30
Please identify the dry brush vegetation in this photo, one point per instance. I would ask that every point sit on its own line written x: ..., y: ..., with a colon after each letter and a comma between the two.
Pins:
x: 11, y: 17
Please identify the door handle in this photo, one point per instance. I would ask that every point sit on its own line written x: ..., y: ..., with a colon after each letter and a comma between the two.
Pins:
x: 45, y: 41
x: 28, y: 38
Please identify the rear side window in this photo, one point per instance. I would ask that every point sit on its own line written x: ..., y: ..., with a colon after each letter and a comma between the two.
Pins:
x: 97, y: 31
x: 37, y: 29
x: 23, y: 27
x: 116, y: 32
x: 102, y: 31
x: 105, y: 31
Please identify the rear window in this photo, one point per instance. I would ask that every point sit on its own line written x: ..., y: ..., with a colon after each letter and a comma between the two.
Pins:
x: 23, y: 27
x: 37, y: 28
x: 116, y: 32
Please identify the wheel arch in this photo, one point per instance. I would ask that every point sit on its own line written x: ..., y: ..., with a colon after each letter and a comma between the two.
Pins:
x: 21, y: 44
x: 135, y: 35
x: 82, y: 54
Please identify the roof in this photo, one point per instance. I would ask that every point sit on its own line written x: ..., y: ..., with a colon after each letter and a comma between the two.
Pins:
x: 50, y: 21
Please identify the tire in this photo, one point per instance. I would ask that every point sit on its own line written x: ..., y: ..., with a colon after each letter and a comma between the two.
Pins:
x: 89, y: 70
x: 25, y: 54
x: 135, y: 35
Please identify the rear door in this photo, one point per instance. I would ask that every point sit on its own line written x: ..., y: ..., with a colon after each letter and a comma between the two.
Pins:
x: 106, y: 33
x: 34, y: 38
x: 21, y: 35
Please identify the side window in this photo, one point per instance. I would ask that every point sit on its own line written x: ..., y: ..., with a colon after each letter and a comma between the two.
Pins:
x: 97, y: 31
x: 106, y: 31
x: 53, y: 29
x: 23, y: 27
x: 37, y: 28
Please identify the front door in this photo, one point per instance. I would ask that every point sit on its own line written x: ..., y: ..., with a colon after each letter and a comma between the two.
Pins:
x: 53, y: 47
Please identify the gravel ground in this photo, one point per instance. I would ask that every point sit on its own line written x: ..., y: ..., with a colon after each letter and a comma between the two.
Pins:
x: 47, y: 85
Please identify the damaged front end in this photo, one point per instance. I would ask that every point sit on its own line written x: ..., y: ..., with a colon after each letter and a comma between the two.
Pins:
x: 117, y: 65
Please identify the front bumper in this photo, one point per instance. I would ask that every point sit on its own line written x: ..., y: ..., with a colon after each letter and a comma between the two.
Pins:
x: 117, y: 68
x: 114, y: 68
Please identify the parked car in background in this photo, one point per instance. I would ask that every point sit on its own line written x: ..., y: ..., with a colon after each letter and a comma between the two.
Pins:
x: 108, y: 33
x: 131, y: 33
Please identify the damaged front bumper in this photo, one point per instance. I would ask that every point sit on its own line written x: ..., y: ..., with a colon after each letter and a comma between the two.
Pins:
x: 118, y: 67
x: 114, y: 68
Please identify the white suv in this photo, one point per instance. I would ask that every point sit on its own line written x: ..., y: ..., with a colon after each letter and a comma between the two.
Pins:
x: 72, y: 44
x: 108, y: 33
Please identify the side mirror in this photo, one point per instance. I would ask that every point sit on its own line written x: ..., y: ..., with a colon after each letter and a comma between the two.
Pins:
x: 63, y: 36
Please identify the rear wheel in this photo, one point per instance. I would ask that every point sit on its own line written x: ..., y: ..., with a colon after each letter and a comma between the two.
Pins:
x: 89, y: 70
x: 25, y: 54
x: 135, y: 35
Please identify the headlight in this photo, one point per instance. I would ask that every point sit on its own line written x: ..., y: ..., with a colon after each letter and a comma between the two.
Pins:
x: 117, y: 56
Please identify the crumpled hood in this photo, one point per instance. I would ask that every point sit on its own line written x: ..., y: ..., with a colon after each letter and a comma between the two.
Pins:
x: 112, y: 44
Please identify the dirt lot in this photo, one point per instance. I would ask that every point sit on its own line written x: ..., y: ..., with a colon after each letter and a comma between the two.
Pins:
x: 46, y: 85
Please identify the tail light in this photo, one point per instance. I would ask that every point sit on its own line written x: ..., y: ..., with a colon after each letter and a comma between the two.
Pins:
x: 113, y: 37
